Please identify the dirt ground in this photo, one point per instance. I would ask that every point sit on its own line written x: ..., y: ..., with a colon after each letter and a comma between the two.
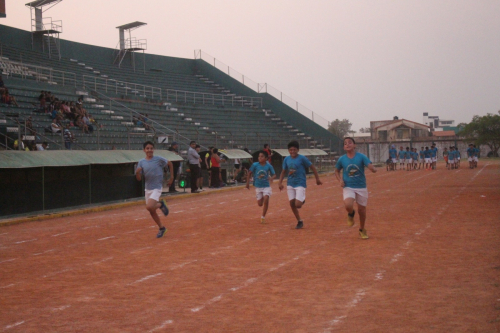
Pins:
x: 432, y: 263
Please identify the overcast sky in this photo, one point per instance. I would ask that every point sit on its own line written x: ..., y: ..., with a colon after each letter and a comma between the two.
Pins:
x: 359, y: 60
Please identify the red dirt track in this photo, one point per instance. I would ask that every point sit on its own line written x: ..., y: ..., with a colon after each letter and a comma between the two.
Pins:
x: 432, y: 263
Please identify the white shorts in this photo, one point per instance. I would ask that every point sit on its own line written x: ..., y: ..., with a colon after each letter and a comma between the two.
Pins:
x: 458, y: 158
x: 401, y: 160
x: 394, y: 160
x: 427, y: 160
x: 360, y: 195
x: 471, y: 159
x: 475, y: 158
x: 298, y: 193
x: 153, y: 194
x: 260, y: 192
x: 434, y: 159
x: 451, y: 161
x: 409, y: 160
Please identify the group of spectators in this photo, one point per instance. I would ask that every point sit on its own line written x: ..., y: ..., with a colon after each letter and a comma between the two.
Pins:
x: 142, y: 120
x: 5, y: 97
x: 74, y: 114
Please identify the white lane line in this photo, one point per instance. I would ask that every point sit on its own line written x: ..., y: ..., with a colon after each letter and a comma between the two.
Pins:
x: 59, y: 272
x: 15, y: 324
x: 130, y: 232
x: 5, y: 233
x: 7, y: 286
x: 63, y: 233
x: 183, y: 264
x: 61, y: 308
x: 92, y: 226
x: 177, y: 212
x: 25, y: 241
x: 7, y: 260
x: 162, y: 326
x: 100, y: 239
x: 143, y: 248
x: 140, y: 218
x: 146, y: 278
x: 100, y: 261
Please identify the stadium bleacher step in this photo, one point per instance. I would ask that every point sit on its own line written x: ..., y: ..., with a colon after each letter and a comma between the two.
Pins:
x: 116, y: 117
x: 12, y: 129
x: 127, y: 123
x: 81, y: 64
x: 107, y: 111
x: 73, y: 60
x: 89, y: 99
x: 81, y: 92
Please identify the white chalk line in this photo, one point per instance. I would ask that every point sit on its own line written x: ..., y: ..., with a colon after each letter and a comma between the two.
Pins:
x: 162, y: 326
x: 380, y: 274
x: 145, y: 278
x: 101, y: 239
x: 247, y: 283
x: 8, y: 260
x: 25, y: 241
x: 62, y: 233
x: 14, y: 325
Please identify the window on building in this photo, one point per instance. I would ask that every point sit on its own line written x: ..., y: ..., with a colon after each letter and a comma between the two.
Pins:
x: 382, y: 135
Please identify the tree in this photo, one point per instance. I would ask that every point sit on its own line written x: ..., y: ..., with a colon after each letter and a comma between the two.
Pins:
x: 483, y: 131
x: 341, y: 128
x: 365, y: 130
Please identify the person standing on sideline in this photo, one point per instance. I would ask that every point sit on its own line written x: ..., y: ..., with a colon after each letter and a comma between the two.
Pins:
x: 200, y: 175
x: 295, y: 165
x: 194, y: 166
x: 353, y: 181
x: 267, y: 149
x: 393, y: 156
x: 151, y: 169
x: 68, y: 137
x: 215, y: 169
x: 174, y: 147
x: 263, y: 172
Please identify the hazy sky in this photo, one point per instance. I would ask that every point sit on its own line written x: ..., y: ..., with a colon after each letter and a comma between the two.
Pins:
x: 359, y: 60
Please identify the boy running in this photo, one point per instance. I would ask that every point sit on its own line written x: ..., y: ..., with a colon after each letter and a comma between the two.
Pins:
x: 295, y: 165
x: 263, y: 172
x: 151, y: 168
x: 434, y: 154
x: 354, y: 183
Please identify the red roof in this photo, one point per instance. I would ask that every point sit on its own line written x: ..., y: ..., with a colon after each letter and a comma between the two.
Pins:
x: 443, y: 133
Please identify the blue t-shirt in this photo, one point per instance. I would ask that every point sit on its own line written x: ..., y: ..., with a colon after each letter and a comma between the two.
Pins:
x: 152, y: 170
x: 402, y: 154
x: 261, y: 174
x: 476, y: 152
x: 408, y: 155
x: 451, y: 155
x: 470, y: 152
x: 433, y: 152
x: 296, y: 170
x: 422, y: 153
x: 415, y: 156
x: 393, y: 153
x: 353, y: 172
x: 427, y: 153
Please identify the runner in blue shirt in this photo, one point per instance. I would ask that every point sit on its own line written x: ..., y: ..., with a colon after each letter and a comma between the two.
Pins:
x: 427, y: 157
x: 415, y: 158
x: 295, y: 166
x: 451, y: 158
x: 402, y: 157
x: 353, y: 181
x: 409, y: 159
x: 422, y: 160
x: 393, y: 156
x: 470, y: 155
x: 434, y: 154
x: 263, y: 172
x: 151, y: 168
x: 476, y: 156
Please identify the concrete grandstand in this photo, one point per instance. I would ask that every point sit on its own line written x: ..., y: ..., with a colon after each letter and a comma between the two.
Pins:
x: 184, y: 99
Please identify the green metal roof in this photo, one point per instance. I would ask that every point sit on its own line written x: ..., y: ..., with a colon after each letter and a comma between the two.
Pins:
x: 305, y: 152
x: 235, y: 153
x: 58, y: 158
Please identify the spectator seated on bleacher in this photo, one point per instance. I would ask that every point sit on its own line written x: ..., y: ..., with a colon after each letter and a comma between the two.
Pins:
x: 43, y: 146
x: 80, y: 123
x: 8, y: 99
x: 56, y: 128
x: 87, y: 122
x: 2, y: 85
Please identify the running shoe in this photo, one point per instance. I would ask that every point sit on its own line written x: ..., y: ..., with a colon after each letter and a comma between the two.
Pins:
x: 362, y: 234
x: 262, y: 220
x: 350, y: 218
x: 300, y: 225
x: 164, y: 207
x: 161, y: 232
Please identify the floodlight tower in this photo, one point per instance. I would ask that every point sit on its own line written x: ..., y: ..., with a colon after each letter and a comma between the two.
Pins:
x: 45, y: 30
x: 131, y: 44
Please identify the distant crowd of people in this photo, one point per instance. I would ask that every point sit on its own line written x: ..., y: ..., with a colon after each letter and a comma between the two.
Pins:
x: 426, y: 158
